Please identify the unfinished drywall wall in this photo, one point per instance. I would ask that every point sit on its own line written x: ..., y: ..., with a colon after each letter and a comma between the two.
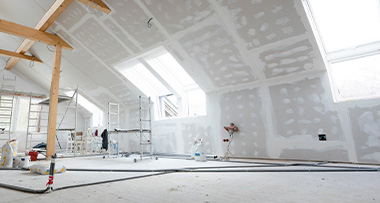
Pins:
x: 191, y: 131
x: 301, y: 111
x: 174, y: 135
x: 179, y: 15
x: 244, y: 108
x: 135, y: 23
x: 365, y: 122
x: 97, y: 39
x: 214, y: 50
x: 261, y: 22
x: 286, y: 59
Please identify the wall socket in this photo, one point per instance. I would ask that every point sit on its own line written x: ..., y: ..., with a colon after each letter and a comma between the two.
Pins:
x: 322, y: 137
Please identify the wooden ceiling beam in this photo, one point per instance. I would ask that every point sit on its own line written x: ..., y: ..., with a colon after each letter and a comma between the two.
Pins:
x: 19, y: 56
x: 97, y: 4
x: 32, y: 34
x: 58, y: 7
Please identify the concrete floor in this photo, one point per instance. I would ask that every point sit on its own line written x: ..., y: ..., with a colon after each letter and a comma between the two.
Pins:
x: 193, y: 187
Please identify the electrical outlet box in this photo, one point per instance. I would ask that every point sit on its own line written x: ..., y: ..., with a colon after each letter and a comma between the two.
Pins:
x: 322, y: 137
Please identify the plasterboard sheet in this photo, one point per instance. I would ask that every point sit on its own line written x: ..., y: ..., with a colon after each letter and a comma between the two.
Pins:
x: 287, y: 59
x: 72, y: 15
x: 119, y: 33
x: 196, y: 131
x: 165, y: 142
x: 215, y: 51
x: 100, y: 42
x: 105, y: 78
x: 75, y: 76
x: 29, y: 14
x: 83, y: 60
x: 41, y: 51
x: 260, y: 22
x: 134, y: 21
x: 365, y: 122
x: 302, y: 109
x: 244, y: 108
x: 126, y: 95
x: 9, y: 42
x: 45, y: 4
x: 179, y: 15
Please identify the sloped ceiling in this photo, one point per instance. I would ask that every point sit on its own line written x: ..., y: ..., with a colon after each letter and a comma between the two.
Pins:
x: 220, y: 43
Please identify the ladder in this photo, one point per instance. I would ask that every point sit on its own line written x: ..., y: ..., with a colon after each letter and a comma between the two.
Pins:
x: 145, y: 121
x: 66, y: 122
x: 7, y: 94
x: 113, y: 124
x: 37, y: 120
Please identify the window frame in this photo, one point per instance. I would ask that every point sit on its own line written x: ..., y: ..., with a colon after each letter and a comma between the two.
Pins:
x: 180, y: 91
x: 359, y: 51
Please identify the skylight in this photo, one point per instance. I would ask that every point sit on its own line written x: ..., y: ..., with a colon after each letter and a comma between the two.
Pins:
x: 159, y: 75
x: 357, y: 77
x: 97, y: 114
x: 140, y: 76
x: 346, y: 23
x: 350, y: 34
x: 171, y: 70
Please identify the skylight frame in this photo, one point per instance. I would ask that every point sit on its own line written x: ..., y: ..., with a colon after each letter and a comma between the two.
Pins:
x: 322, y: 35
x: 156, y: 65
x: 337, y: 56
x: 143, y: 79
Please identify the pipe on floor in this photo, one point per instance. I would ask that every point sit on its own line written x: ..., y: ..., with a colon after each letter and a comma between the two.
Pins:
x: 167, y: 171
x: 22, y: 189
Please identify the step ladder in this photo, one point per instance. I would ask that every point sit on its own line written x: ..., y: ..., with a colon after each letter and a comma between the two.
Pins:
x: 7, y: 94
x: 113, y: 124
x: 145, y: 121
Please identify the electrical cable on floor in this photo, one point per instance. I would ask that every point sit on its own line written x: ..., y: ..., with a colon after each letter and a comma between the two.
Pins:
x: 207, y: 169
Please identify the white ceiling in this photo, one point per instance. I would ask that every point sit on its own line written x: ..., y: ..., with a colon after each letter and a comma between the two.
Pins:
x: 220, y: 43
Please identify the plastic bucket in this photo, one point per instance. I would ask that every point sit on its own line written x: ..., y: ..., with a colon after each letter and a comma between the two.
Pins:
x: 33, y: 155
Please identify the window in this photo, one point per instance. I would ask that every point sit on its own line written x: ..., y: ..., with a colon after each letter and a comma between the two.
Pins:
x: 22, y: 114
x: 139, y: 75
x: 349, y: 32
x: 168, y: 106
x: 158, y: 75
x: 97, y: 114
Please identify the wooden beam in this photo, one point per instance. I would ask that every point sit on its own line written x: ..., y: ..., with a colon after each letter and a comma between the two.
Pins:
x: 54, y: 90
x: 100, y: 5
x: 20, y: 56
x: 32, y: 34
x: 51, y: 15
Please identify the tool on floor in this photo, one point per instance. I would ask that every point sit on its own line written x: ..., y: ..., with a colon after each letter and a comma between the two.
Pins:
x: 231, y: 129
x: 49, y: 184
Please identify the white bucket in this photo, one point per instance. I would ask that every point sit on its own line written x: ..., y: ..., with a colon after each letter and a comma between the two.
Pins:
x: 199, y: 154
x: 16, y: 161
x: 24, y: 161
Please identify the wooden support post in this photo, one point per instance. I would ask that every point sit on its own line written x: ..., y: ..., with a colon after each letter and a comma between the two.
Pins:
x: 54, y: 91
